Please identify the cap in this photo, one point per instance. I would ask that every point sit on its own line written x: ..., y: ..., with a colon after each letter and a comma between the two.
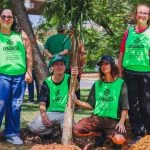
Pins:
x: 106, y: 58
x: 61, y: 27
x: 56, y: 58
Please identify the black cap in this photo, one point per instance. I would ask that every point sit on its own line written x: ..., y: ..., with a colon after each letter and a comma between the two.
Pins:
x: 106, y: 58
x: 61, y: 27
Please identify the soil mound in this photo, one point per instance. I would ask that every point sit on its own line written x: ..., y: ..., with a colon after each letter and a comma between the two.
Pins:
x: 55, y: 147
x: 143, y: 144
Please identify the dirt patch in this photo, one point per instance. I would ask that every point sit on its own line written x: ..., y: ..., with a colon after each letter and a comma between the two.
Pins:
x: 53, y: 142
x: 30, y: 138
x: 55, y: 147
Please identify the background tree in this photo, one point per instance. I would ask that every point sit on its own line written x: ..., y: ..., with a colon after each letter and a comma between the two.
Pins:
x: 112, y: 15
x: 39, y: 65
x: 100, y: 22
x: 107, y: 20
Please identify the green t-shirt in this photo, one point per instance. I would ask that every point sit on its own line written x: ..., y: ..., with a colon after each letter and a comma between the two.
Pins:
x: 137, y: 51
x: 59, y: 94
x: 58, y: 43
x: 13, y: 54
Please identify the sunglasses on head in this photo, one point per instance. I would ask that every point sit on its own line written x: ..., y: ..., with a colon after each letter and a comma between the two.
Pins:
x: 4, y: 17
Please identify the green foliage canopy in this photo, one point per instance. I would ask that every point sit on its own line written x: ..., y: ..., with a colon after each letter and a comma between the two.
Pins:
x: 95, y: 20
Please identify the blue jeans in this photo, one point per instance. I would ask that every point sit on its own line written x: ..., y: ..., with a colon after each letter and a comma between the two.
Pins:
x: 12, y: 90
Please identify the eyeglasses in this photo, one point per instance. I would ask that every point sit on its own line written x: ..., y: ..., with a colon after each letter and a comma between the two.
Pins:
x: 8, y: 17
x: 143, y: 13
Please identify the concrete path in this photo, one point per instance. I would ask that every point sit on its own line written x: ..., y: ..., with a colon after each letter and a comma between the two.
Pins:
x: 87, y: 80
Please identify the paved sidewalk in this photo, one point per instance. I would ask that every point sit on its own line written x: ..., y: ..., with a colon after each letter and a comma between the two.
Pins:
x: 90, y: 76
x: 87, y: 80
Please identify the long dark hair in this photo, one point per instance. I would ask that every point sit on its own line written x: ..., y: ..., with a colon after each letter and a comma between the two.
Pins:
x: 114, y: 71
x: 15, y: 26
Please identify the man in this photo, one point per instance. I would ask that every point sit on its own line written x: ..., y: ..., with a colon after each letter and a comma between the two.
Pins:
x: 53, y: 97
x: 59, y: 44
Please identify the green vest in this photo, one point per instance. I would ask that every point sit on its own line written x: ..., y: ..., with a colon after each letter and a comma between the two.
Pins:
x: 58, y: 94
x: 107, y: 96
x: 12, y: 56
x: 137, y: 51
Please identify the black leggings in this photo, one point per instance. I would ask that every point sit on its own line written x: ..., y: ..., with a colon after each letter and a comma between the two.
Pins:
x: 139, y: 101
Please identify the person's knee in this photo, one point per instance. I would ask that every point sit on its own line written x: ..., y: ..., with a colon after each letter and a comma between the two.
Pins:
x: 32, y: 128
x: 35, y: 126
x: 118, y: 139
x: 76, y: 129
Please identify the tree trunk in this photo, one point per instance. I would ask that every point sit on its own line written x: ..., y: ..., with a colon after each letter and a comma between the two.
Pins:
x: 39, y: 64
x: 69, y: 113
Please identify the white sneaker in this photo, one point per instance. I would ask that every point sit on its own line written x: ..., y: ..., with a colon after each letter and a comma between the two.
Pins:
x: 14, y: 140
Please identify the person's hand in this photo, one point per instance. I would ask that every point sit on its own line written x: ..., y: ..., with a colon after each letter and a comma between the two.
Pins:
x: 49, y: 56
x: 28, y: 77
x: 46, y: 120
x: 74, y: 70
x: 121, y: 128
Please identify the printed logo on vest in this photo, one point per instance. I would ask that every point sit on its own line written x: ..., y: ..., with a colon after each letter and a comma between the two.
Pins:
x: 10, y: 42
x: 107, y: 92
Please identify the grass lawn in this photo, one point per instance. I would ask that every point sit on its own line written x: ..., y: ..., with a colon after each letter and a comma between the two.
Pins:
x: 29, y: 110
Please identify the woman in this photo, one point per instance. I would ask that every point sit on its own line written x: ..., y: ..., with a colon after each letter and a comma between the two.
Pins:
x: 108, y: 98
x: 134, y: 63
x: 15, y: 70
x: 53, y: 97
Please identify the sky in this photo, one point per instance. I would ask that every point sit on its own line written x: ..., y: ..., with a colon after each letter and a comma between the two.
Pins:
x: 35, y: 19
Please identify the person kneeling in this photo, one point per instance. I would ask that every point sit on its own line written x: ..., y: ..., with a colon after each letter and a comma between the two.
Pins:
x: 108, y: 97
x: 53, y: 98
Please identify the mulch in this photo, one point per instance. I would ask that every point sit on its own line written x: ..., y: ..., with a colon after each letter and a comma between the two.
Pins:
x: 53, y: 142
x: 143, y: 144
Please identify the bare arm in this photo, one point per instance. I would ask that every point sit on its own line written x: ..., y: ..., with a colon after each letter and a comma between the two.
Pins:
x: 123, y: 116
x: 122, y: 50
x: 48, y: 54
x: 29, y: 57
x: 120, y: 63
x: 45, y: 119
x: 121, y: 125
x: 83, y: 104
x: 64, y: 52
